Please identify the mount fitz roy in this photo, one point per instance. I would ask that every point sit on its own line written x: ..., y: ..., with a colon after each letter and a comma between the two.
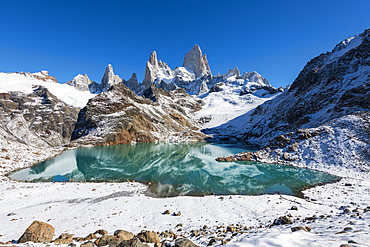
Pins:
x: 327, y: 101
x: 321, y: 122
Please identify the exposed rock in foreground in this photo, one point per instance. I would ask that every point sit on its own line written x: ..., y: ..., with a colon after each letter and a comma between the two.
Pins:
x: 37, y: 232
x: 119, y: 116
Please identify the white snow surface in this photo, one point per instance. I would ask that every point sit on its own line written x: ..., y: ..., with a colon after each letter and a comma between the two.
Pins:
x: 82, y: 208
x: 24, y: 83
x: 228, y: 105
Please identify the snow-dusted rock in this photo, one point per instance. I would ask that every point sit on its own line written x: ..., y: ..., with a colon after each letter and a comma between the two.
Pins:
x: 158, y: 73
x: 119, y: 116
x: 151, y: 70
x: 83, y: 83
x: 42, y: 75
x: 233, y: 72
x: 330, y: 86
x: 109, y: 78
x: 196, y: 62
x: 38, y: 119
x: 132, y: 83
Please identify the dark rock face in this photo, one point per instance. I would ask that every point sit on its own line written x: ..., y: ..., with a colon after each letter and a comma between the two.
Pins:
x: 119, y: 116
x: 331, y: 85
x: 38, y: 119
x: 37, y: 232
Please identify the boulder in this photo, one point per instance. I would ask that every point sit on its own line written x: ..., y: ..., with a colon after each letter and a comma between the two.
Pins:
x: 108, y: 240
x: 64, y: 238
x: 101, y: 232
x: 37, y: 232
x: 90, y: 236
x: 148, y: 237
x: 136, y: 243
x: 299, y: 228
x: 283, y: 220
x: 87, y: 244
x: 184, y: 242
x: 124, y: 235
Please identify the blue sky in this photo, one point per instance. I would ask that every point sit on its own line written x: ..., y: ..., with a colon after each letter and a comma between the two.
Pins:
x: 274, y: 38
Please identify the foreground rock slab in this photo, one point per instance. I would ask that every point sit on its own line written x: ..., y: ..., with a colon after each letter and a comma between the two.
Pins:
x: 38, y: 232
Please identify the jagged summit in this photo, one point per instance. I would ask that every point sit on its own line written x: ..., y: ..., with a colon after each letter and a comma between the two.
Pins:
x: 109, y: 78
x: 81, y: 82
x: 132, y: 83
x: 346, y: 57
x: 151, y: 70
x: 196, y: 62
x: 233, y: 72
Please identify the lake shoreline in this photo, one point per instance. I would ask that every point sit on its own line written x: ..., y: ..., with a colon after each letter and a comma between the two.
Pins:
x: 69, y: 200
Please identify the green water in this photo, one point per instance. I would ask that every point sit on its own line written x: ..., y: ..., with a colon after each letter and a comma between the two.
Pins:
x: 175, y: 169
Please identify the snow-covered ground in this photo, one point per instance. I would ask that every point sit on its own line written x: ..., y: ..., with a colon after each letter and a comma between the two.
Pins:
x: 83, y: 208
x: 23, y: 83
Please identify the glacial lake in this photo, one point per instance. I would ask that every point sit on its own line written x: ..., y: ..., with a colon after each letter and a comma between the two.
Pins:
x: 174, y: 169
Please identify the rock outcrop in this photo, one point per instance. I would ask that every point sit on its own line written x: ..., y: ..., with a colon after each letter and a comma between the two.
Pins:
x: 43, y: 75
x: 83, y: 83
x: 119, y: 116
x: 37, y: 232
x: 151, y: 70
x: 109, y: 79
x: 234, y: 72
x: 132, y: 83
x: 330, y: 86
x: 196, y: 62
x: 37, y: 119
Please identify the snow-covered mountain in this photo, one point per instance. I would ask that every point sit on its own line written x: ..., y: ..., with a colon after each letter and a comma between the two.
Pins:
x: 119, y: 116
x: 37, y: 119
x: 332, y: 85
x: 196, y: 77
x: 322, y: 121
x: 24, y: 82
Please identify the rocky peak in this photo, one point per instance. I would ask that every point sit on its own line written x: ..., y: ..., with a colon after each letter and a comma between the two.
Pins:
x: 80, y: 82
x: 132, y: 83
x: 347, y: 57
x: 42, y: 75
x: 83, y: 83
x: 133, y: 78
x: 37, y: 119
x: 255, y: 77
x: 233, y: 72
x: 151, y: 70
x: 196, y: 62
x: 330, y: 86
x: 119, y: 116
x: 109, y: 78
x: 153, y: 59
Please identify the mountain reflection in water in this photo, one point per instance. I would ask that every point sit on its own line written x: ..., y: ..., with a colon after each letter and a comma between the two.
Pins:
x: 174, y: 169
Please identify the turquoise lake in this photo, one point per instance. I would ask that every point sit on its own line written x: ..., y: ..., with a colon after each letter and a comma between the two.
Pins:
x: 174, y: 169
